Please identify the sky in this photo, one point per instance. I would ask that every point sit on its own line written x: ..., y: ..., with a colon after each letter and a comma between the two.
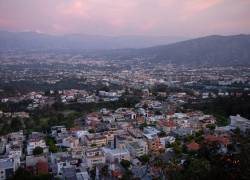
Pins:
x: 127, y: 17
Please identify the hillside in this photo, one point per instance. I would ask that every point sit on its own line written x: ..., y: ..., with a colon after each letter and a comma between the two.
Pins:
x: 212, y: 50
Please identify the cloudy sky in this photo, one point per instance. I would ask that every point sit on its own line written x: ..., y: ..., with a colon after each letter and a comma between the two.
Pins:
x: 127, y: 17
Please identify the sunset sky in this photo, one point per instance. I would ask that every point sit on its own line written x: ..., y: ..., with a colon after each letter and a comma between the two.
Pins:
x: 127, y: 17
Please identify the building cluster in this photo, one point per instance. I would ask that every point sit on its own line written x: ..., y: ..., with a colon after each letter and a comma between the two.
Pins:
x: 106, y: 140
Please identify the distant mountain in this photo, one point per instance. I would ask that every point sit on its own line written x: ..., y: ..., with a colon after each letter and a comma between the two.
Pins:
x: 210, y: 50
x: 33, y: 40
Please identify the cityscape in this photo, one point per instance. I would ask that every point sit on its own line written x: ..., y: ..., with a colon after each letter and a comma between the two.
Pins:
x: 143, y: 107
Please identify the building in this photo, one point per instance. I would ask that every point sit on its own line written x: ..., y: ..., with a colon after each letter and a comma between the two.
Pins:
x: 154, y: 145
x: 94, y: 156
x: 150, y: 132
x: 60, y: 161
x: 193, y: 146
x: 8, y: 166
x: 137, y: 148
x: 96, y: 140
x: 70, y: 142
x: 58, y: 130
x: 36, y: 140
x: 166, y: 125
x: 117, y: 154
x: 239, y: 122
x: 37, y: 164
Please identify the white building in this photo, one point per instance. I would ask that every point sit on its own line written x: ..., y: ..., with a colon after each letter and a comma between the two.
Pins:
x: 118, y: 154
x: 36, y: 140
x: 240, y: 122
x: 150, y: 132
x: 8, y: 166
x: 71, y: 142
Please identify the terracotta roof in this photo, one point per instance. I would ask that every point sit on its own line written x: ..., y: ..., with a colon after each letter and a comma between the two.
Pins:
x: 116, y: 173
x: 221, y: 139
x: 168, y: 123
x: 42, y: 167
x: 193, y: 146
x: 74, y: 129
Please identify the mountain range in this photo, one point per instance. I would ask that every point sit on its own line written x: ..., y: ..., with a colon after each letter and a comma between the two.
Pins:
x: 209, y: 50
x: 34, y: 40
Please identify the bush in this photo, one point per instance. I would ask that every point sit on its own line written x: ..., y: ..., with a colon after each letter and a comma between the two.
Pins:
x: 125, y: 163
x: 37, y: 151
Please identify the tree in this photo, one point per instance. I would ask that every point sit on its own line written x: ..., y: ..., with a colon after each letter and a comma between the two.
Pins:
x: 52, y: 146
x: 125, y: 163
x: 91, y: 131
x: 177, y: 148
x: 16, y: 124
x: 162, y: 134
x: 93, y: 173
x: 198, y: 169
x: 104, y: 170
x: 127, y: 175
x: 23, y: 174
x: 211, y: 126
x: 145, y: 158
x: 37, y: 151
x: 245, y: 161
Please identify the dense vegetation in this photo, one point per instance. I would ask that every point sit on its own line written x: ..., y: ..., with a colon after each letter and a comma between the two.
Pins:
x: 223, y: 107
x: 207, y: 163
x: 57, y: 114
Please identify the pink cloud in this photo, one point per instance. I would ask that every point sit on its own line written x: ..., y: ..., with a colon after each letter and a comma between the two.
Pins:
x: 157, y: 17
x: 194, y: 7
x: 75, y: 8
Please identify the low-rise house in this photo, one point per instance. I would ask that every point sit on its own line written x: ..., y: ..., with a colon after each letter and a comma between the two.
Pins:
x: 96, y: 140
x: 3, y: 142
x: 77, y: 153
x: 167, y: 140
x: 110, y: 136
x: 21, y: 115
x: 94, y: 156
x: 166, y: 125
x: 59, y: 161
x: 193, y: 146
x: 222, y: 140
x: 14, y: 150
x: 150, y: 132
x: 16, y: 137
x: 137, y: 148
x: 239, y: 122
x: 82, y: 174
x: 8, y: 166
x: 37, y: 164
x: 113, y: 155
x: 69, y: 173
x: 135, y: 133
x: 58, y: 130
x: 70, y: 142
x: 108, y: 118
x: 36, y: 140
x: 81, y: 133
x: 183, y: 132
x: 154, y: 145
